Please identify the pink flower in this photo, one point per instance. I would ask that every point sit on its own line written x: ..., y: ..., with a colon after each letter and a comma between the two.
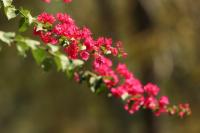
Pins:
x: 133, y: 86
x: 46, y: 37
x: 111, y: 79
x: 89, y: 43
x: 35, y: 32
x: 184, y: 109
x: 108, y: 42
x: 101, y: 63
x: 151, y: 103
x: 114, y: 51
x: 100, y: 41
x: 76, y: 77
x: 134, y: 104
x: 163, y: 101
x: 120, y: 48
x: 160, y: 110
x: 84, y: 55
x: 47, y: 1
x: 118, y: 92
x: 54, y: 41
x: 46, y: 18
x: 68, y: 30
x: 151, y: 89
x: 123, y: 71
x: 85, y: 33
x: 72, y: 50
x: 67, y: 1
x: 64, y: 18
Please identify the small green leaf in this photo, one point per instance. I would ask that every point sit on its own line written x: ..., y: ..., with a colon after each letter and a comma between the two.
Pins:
x: 32, y: 43
x: 39, y: 27
x: 11, y: 12
x: 70, y: 73
x: 70, y: 66
x: 27, y: 15
x: 23, y: 25
x: 22, y: 48
x: 7, y: 37
x: 24, y: 44
x: 47, y: 26
x: 92, y: 81
x: 7, y: 3
x: 53, y: 48
x: 63, y: 41
x: 102, y: 88
x: 77, y: 63
x: 95, y: 83
x: 81, y: 46
x: 62, y: 61
x: 39, y: 55
x: 47, y: 64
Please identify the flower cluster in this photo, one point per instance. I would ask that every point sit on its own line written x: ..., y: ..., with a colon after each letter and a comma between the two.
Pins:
x: 78, y: 43
x: 66, y: 1
x: 137, y: 95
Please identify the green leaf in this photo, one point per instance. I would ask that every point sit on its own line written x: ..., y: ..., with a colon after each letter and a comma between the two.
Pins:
x: 0, y: 4
x: 23, y: 25
x: 10, y: 11
x: 95, y: 83
x: 53, y: 48
x: 63, y: 41
x: 47, y: 64
x: 39, y: 27
x: 70, y: 73
x: 62, y: 61
x: 72, y: 65
x: 27, y: 15
x: 7, y: 3
x: 47, y: 26
x: 22, y: 48
x: 39, y: 55
x: 77, y: 63
x: 32, y: 43
x: 7, y: 37
x: 102, y: 88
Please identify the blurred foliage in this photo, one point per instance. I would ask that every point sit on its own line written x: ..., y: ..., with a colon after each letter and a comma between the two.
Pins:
x: 162, y: 39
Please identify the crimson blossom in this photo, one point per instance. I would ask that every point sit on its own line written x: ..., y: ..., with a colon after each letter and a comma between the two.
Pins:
x: 78, y: 43
x: 66, y: 1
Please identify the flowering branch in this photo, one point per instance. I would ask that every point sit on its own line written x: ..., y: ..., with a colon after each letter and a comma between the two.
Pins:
x: 69, y: 47
x: 66, y: 1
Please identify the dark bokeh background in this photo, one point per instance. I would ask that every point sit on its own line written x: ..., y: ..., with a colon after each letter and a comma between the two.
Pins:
x: 162, y: 39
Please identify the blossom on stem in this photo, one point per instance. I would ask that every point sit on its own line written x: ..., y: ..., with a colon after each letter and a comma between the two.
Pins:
x: 46, y: 18
x: 65, y: 1
x: 78, y: 43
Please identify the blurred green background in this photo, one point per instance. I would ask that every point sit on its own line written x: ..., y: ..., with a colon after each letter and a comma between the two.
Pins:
x: 162, y: 39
